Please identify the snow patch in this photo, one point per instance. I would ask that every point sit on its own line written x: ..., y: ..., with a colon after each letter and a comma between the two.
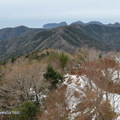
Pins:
x: 76, y: 85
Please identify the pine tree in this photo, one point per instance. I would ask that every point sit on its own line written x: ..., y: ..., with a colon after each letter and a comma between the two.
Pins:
x: 52, y: 76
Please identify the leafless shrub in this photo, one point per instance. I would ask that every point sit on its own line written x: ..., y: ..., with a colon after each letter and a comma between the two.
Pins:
x: 55, y: 106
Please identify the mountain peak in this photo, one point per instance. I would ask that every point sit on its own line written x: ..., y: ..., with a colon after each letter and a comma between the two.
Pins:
x: 54, y: 25
x: 78, y: 22
x: 95, y: 22
x: 91, y: 22
x: 21, y: 26
x: 117, y: 24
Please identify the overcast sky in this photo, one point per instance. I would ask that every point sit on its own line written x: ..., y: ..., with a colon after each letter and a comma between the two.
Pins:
x: 35, y: 13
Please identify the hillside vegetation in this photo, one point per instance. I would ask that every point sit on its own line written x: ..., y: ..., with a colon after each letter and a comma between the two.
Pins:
x: 22, y: 40
x: 55, y: 85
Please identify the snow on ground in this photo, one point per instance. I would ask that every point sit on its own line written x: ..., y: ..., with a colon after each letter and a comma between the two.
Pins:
x: 115, y: 102
x: 77, y: 84
x: 33, y: 94
x: 117, y: 59
x: 71, y: 99
x: 116, y: 76
x: 74, y: 84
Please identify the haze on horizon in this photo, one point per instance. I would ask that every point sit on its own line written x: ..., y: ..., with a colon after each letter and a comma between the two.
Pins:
x: 35, y: 13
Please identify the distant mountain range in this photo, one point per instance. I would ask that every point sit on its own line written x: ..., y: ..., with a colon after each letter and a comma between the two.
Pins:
x: 54, y: 25
x: 91, y: 22
x: 22, y: 40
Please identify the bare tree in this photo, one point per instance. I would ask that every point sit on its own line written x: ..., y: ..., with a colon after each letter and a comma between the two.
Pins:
x: 22, y: 84
x: 55, y: 106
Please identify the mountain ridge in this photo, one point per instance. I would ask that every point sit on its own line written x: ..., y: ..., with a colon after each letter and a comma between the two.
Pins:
x: 67, y: 38
x: 9, y: 33
x: 54, y: 25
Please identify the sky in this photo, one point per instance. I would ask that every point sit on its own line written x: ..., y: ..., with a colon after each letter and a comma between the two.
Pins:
x: 36, y: 13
